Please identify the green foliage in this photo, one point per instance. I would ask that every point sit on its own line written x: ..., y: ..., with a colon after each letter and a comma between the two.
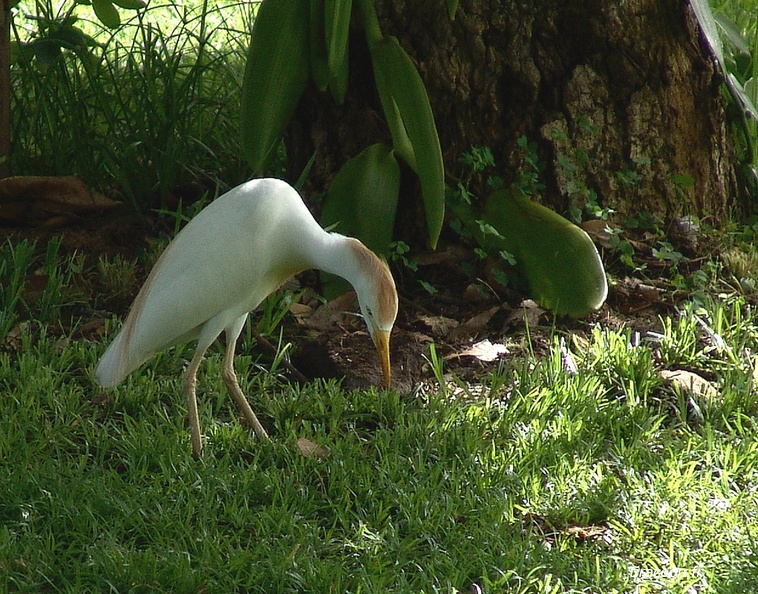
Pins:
x: 733, y: 30
x: 276, y: 71
x: 532, y: 480
x: 528, y: 182
x: 293, y: 41
x: 14, y: 263
x: 415, y: 139
x: 362, y: 198
x: 361, y: 201
x: 556, y: 258
x: 116, y: 274
x: 666, y: 252
x: 621, y: 247
x: 336, y: 36
x: 269, y: 316
x: 141, y: 110
x: 452, y: 7
x: 36, y: 284
x: 399, y: 252
x: 54, y: 35
x: 107, y: 13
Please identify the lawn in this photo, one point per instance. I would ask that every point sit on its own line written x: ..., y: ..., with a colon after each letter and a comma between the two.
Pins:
x: 572, y: 463
x: 536, y: 478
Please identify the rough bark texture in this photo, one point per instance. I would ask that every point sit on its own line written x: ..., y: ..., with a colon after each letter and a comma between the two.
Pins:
x: 5, y: 87
x: 610, y: 87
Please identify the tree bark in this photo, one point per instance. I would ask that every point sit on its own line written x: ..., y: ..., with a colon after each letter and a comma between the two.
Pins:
x: 620, y: 98
x: 5, y: 87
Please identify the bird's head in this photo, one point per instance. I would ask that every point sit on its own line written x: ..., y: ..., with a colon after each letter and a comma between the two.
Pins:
x: 377, y: 297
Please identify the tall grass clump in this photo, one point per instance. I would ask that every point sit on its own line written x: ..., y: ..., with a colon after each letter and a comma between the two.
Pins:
x: 141, y: 110
x: 35, y: 285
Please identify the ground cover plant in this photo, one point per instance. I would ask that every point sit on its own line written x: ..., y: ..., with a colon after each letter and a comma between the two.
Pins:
x: 574, y: 461
x: 574, y: 464
x: 143, y: 110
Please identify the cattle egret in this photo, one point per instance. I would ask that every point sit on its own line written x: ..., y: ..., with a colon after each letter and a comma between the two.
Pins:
x: 230, y: 257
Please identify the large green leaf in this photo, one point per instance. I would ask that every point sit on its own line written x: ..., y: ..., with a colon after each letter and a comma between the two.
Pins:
x: 558, y: 259
x: 401, y: 142
x: 409, y: 114
x: 276, y: 72
x: 361, y: 202
x: 710, y: 31
x: 130, y: 4
x: 362, y: 198
x: 107, y: 13
x: 337, y: 32
x: 452, y: 7
x: 318, y: 57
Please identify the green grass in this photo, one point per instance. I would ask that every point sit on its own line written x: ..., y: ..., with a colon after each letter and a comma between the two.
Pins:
x: 535, y: 480
x: 149, y: 108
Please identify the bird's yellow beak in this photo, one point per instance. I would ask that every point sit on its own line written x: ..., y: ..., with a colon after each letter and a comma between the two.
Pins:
x: 382, y: 342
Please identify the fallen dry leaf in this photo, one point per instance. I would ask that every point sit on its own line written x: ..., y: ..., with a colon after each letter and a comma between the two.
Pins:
x: 472, y: 326
x: 450, y: 255
x: 475, y: 293
x: 302, y: 312
x: 631, y: 295
x: 48, y: 201
x: 439, y: 325
x: 331, y: 314
x: 596, y: 532
x: 528, y: 313
x: 690, y: 383
x: 310, y: 449
x: 419, y: 337
x: 13, y: 336
x: 93, y: 329
x: 484, y: 350
x: 597, y: 229
x: 592, y: 532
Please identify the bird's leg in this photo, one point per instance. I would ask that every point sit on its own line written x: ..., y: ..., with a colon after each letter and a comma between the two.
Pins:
x: 190, y: 385
x: 230, y: 380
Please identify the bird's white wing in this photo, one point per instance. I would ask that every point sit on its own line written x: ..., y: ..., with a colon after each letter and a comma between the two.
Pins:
x: 220, y: 266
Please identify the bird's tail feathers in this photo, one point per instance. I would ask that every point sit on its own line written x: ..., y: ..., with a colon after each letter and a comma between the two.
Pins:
x: 114, y: 365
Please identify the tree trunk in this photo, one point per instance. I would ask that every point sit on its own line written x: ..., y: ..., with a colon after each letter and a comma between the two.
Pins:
x: 5, y: 87
x: 620, y: 98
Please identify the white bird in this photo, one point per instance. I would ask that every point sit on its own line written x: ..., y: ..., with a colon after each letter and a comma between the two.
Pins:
x: 231, y: 256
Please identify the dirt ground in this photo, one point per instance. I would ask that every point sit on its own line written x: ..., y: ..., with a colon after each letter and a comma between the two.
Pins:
x: 473, y: 323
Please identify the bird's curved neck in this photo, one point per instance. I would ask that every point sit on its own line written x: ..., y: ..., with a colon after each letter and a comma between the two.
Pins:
x: 337, y: 254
